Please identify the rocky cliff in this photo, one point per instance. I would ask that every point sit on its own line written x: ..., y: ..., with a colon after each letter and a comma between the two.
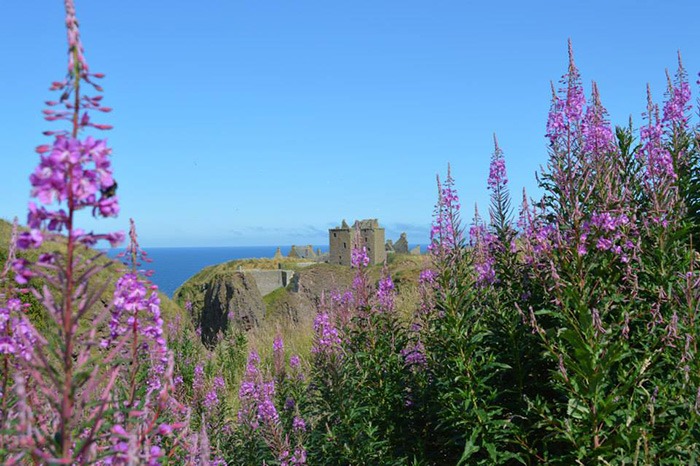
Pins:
x: 223, y: 296
x: 222, y: 299
x: 299, y: 300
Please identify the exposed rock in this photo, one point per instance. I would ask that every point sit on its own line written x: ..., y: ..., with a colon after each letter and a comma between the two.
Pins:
x: 226, y: 299
x: 222, y: 296
x: 307, y: 286
x: 415, y: 251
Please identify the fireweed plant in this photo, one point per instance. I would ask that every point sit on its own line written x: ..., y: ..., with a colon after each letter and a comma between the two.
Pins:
x: 571, y: 337
x: 96, y: 385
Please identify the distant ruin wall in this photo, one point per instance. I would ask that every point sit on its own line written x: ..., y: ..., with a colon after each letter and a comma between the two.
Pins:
x: 269, y: 280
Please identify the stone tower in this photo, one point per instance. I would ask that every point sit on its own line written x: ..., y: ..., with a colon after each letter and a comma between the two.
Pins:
x: 371, y: 236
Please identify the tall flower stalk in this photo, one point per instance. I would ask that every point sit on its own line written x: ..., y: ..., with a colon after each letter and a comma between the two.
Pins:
x: 74, y: 174
x: 75, y: 411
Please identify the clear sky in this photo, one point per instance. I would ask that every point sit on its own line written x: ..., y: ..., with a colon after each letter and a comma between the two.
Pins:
x: 267, y: 122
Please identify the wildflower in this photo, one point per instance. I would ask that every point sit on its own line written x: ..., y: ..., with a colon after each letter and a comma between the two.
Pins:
x: 385, y: 292
x: 414, y: 355
x: 598, y: 137
x: 565, y: 113
x: 427, y: 276
x: 211, y: 399
x: 677, y: 104
x: 198, y: 381
x: 481, y: 241
x: 267, y: 413
x: 359, y: 257
x: 497, y: 169
x: 658, y: 161
x: 298, y: 424
x: 326, y: 339
x: 299, y: 456
x: 445, y: 234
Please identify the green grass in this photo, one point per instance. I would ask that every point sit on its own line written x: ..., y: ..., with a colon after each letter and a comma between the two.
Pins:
x: 109, y: 276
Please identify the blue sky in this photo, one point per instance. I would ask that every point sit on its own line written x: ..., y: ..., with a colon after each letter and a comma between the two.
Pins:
x: 267, y: 122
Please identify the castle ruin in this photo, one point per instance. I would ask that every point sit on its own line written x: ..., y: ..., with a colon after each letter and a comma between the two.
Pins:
x: 371, y: 236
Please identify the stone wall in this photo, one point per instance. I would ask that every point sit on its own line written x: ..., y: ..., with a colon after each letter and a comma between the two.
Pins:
x: 268, y: 281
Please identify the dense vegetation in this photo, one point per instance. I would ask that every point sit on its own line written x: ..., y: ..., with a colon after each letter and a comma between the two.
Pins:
x: 565, y: 334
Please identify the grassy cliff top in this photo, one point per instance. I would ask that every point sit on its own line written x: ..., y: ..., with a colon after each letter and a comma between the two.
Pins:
x: 109, y: 275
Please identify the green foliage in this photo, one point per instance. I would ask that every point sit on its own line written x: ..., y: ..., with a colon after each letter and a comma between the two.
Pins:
x: 363, y: 404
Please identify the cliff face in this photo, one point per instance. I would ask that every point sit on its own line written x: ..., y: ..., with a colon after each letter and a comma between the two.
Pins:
x: 221, y: 295
x: 223, y: 299
x: 300, y: 299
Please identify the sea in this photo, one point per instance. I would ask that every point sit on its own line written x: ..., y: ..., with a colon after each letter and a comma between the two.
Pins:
x: 174, y: 266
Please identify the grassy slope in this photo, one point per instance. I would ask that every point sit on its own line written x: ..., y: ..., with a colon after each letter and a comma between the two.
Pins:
x: 169, y: 309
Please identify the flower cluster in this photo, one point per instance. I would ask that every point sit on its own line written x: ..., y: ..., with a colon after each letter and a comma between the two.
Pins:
x: 359, y: 257
x: 386, y: 292
x: 565, y: 113
x: 497, y: 169
x: 198, y: 379
x: 256, y: 397
x: 445, y: 234
x: 131, y: 301
x: 598, y: 138
x: 658, y: 161
x: 73, y: 172
x: 611, y: 233
x: 326, y: 338
x: 414, y: 355
x: 17, y: 337
x: 211, y: 399
x: 677, y: 104
x: 481, y: 241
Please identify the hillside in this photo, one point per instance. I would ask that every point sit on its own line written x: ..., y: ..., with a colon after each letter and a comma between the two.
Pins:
x: 226, y: 294
x: 171, y: 312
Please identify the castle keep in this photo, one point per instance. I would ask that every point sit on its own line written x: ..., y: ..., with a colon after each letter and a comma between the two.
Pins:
x: 340, y: 240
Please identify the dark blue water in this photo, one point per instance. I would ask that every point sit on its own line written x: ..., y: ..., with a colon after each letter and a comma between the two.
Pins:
x: 173, y: 266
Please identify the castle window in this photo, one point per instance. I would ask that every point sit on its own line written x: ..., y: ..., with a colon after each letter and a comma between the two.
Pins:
x: 345, y: 245
x: 369, y: 249
x: 335, y: 235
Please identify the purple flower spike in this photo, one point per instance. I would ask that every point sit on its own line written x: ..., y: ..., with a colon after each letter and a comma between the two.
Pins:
x: 497, y: 170
x: 385, y: 292
x: 677, y: 105
x: 598, y: 137
x: 446, y: 233
x: 327, y: 340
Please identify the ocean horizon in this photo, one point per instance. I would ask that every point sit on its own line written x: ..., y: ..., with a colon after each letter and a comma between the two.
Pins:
x: 173, y: 266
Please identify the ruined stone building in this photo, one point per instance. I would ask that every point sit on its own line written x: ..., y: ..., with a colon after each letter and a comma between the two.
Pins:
x: 401, y: 246
x: 371, y: 236
x: 302, y: 252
